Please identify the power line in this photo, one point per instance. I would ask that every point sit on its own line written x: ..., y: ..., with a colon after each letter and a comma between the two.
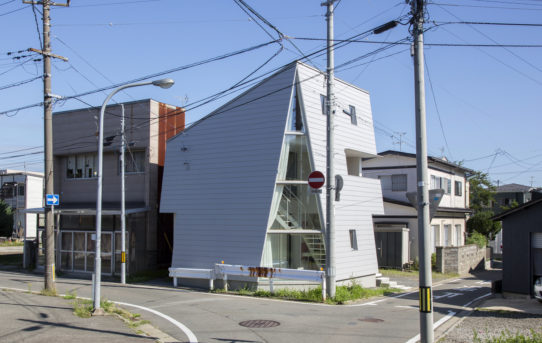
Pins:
x: 437, y: 109
x: 18, y: 9
x: 15, y: 84
x: 487, y: 23
x: 184, y: 67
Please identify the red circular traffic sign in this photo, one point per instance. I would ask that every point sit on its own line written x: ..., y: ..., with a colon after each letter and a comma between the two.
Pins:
x: 316, y: 179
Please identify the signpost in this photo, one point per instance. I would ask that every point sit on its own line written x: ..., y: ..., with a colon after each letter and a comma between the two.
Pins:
x: 52, y: 200
x: 316, y: 179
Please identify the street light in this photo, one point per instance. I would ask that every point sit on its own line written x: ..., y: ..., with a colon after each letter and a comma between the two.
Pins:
x: 163, y: 83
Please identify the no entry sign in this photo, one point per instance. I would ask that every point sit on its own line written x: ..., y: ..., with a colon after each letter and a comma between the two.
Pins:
x: 316, y: 179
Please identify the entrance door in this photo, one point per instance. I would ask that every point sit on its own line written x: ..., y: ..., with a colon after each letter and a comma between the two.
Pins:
x: 389, y: 249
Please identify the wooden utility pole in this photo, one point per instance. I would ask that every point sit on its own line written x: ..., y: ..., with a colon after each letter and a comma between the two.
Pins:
x: 48, y: 140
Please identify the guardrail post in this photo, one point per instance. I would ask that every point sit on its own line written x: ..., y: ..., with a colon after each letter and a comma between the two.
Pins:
x: 175, y: 282
x: 211, y: 282
x: 225, y: 282
x: 271, y: 285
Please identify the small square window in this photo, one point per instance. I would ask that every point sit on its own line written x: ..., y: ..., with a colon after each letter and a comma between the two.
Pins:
x: 399, y: 183
x: 353, y: 240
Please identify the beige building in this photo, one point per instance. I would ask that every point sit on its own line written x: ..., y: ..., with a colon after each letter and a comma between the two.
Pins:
x: 396, y: 231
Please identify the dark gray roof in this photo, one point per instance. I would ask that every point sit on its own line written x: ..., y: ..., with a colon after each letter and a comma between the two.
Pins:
x: 514, y: 188
x: 515, y: 210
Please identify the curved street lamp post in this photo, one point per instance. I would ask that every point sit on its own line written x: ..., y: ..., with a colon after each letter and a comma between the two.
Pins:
x: 163, y: 83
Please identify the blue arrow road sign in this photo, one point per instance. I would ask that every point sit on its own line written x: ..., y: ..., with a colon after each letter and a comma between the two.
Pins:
x: 52, y: 199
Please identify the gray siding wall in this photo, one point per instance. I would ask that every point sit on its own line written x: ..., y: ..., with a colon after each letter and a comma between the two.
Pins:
x: 74, y: 132
x: 517, y: 230
x: 361, y: 197
x: 219, y: 177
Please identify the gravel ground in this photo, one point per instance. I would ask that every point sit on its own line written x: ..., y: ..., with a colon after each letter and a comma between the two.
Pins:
x: 490, y: 324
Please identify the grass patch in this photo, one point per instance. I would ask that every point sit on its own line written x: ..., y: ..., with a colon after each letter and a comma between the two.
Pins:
x: 83, y: 308
x: 12, y: 244
x: 508, y: 337
x: 49, y: 292
x: 343, y: 294
x: 148, y: 275
x: 70, y: 295
x: 11, y: 260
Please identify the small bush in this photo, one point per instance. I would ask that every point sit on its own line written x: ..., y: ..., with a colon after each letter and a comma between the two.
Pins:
x: 478, y: 239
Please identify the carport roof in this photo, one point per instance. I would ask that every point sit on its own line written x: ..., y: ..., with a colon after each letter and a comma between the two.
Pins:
x: 88, y: 209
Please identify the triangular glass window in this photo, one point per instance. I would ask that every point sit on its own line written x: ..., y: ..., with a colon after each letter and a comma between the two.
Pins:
x: 295, y: 118
x: 294, y: 208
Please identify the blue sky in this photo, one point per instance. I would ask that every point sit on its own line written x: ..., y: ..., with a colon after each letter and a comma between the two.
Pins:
x: 483, y: 103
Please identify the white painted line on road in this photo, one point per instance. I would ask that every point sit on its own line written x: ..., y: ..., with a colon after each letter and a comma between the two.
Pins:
x: 445, y: 318
x: 480, y: 297
x: 436, y: 325
x: 191, y: 337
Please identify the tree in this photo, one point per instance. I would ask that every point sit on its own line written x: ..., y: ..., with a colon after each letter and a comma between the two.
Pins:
x: 6, y: 219
x: 482, y: 194
x: 481, y: 222
x: 482, y: 191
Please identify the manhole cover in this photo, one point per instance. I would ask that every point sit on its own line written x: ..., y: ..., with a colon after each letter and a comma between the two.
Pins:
x: 259, y: 323
x: 371, y: 320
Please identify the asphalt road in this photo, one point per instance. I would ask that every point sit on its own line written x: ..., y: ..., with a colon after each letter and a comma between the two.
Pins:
x: 216, y: 317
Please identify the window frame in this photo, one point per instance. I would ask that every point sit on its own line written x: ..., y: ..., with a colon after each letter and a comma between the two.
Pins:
x: 353, y: 239
x: 395, y: 184
x: 458, y: 188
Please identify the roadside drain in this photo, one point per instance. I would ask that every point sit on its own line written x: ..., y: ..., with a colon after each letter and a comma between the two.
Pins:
x: 259, y: 323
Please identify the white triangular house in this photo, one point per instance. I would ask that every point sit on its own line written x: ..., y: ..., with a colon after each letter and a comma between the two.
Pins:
x: 236, y: 181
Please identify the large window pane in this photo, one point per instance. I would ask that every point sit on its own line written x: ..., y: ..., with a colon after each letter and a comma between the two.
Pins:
x: 66, y: 261
x: 303, y: 251
x: 66, y: 241
x: 79, y: 261
x: 79, y: 241
x: 298, y: 209
x: 106, y: 243
x: 298, y: 167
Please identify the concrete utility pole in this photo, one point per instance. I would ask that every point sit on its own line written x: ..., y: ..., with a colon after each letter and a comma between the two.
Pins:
x: 330, y: 170
x: 122, y: 203
x: 424, y: 237
x: 48, y: 139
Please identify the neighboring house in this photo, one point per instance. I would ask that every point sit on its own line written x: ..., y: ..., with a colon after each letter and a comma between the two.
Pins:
x: 506, y: 197
x: 148, y: 125
x: 236, y: 180
x: 522, y: 247
x: 396, y: 231
x: 22, y: 190
x: 509, y: 195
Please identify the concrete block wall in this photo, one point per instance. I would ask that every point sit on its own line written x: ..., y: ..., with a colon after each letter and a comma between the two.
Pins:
x: 460, y: 260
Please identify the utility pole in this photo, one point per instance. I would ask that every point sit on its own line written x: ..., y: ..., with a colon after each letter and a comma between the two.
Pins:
x: 424, y: 252
x: 49, y: 284
x: 122, y: 203
x: 330, y: 170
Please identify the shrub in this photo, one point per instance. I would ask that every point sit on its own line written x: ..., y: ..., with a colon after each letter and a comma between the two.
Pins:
x: 6, y: 219
x: 478, y: 239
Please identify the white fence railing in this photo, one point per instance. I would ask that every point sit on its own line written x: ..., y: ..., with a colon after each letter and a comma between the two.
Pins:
x: 222, y: 271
